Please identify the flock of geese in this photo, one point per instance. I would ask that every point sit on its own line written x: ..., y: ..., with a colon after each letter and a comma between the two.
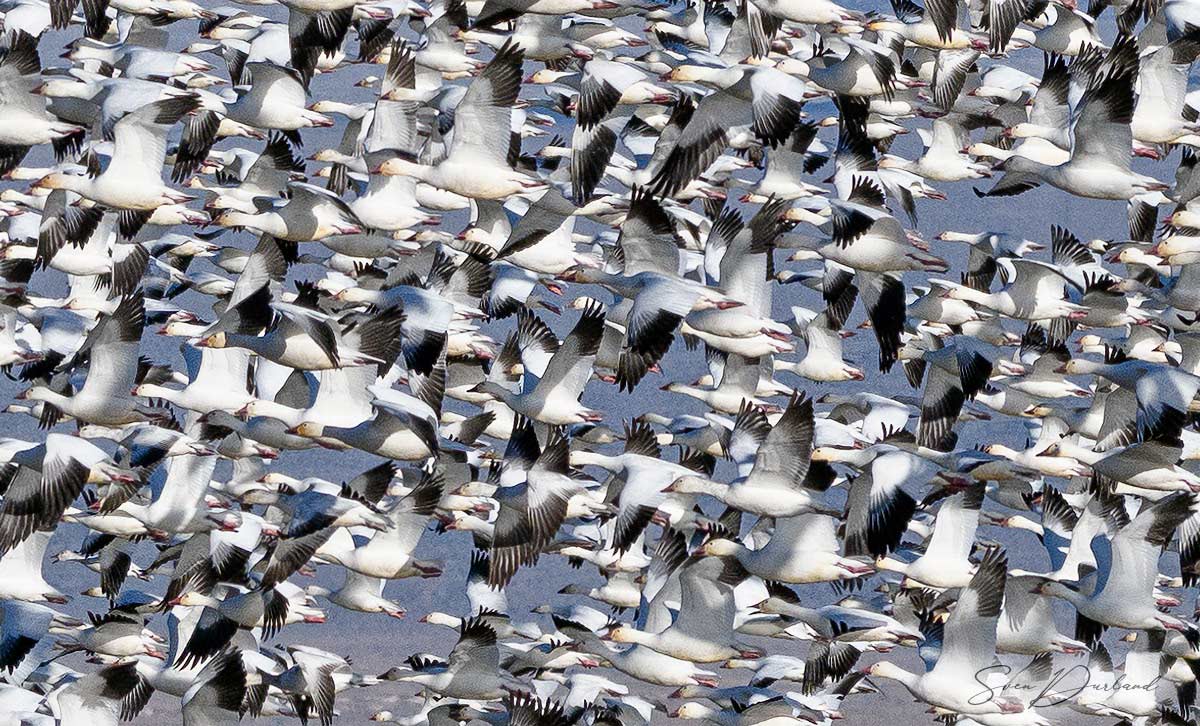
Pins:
x: 194, y: 294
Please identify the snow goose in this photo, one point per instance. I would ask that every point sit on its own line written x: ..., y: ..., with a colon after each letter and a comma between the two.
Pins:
x: 1066, y: 31
x: 439, y: 49
x: 389, y: 553
x: 1158, y: 116
x: 318, y: 27
x: 822, y: 359
x: 1101, y: 140
x: 840, y: 631
x: 1122, y: 592
x: 736, y: 259
x: 968, y: 646
x: 51, y: 474
x: 786, y: 163
x: 115, y: 634
x: 221, y: 620
x: 404, y: 426
x: 101, y: 697
x: 1164, y: 393
x: 866, y: 70
x: 29, y: 16
x: 943, y: 159
x: 497, y: 11
x: 472, y: 670
x: 639, y: 661
x: 531, y: 512
x: 264, y: 174
x: 764, y: 100
x: 882, y: 500
x: 553, y: 396
x: 934, y: 26
x: 24, y: 635
x: 302, y: 338
x: 776, y: 710
x: 474, y: 168
x: 21, y: 568
x: 27, y: 123
x: 864, y: 236
x: 543, y: 239
x: 209, y: 371
x: 1033, y: 290
x: 945, y: 561
x: 644, y: 475
x: 132, y: 182
x: 82, y: 242
x: 774, y: 464
x: 105, y: 396
x: 1027, y: 622
x: 802, y: 549
x: 218, y: 694
x: 817, y: 13
x: 661, y: 299
x: 542, y: 37
x: 275, y: 100
x: 306, y: 214
x: 603, y: 86
x: 956, y: 373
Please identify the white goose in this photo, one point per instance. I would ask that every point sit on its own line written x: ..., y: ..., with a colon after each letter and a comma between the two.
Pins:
x: 132, y: 181
x: 1122, y: 591
x: 476, y: 166
x: 968, y: 646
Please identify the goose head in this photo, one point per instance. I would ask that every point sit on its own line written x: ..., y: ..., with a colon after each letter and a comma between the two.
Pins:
x: 314, y: 119
x: 65, y: 88
x: 1063, y: 644
x: 644, y: 92
x: 440, y: 618
x: 400, y: 166
x: 887, y: 25
x: 59, y: 180
x: 225, y: 521
x: 194, y: 599
x: 688, y: 73
x: 626, y: 634
x: 232, y: 217
x: 216, y: 340
x: 1079, y: 366
x: 694, y: 710
x: 1054, y: 588
x: 169, y: 215
x: 583, y: 274
x: 1026, y: 130
x: 836, y: 454
x: 546, y: 75
x: 491, y: 388
x: 693, y: 485
x: 35, y: 393
x: 1176, y: 244
x: 309, y: 430
x: 721, y: 547
x: 328, y: 155
x: 891, y: 161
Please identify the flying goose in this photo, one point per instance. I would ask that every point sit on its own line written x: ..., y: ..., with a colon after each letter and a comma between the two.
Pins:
x: 131, y: 183
x: 28, y: 123
x: 1121, y: 592
x: 968, y: 646
x: 472, y: 167
x: 773, y: 461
